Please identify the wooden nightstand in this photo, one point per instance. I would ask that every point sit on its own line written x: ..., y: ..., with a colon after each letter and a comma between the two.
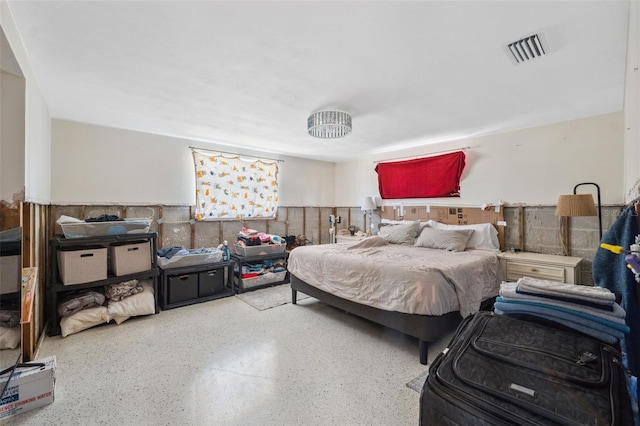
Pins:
x: 564, y: 269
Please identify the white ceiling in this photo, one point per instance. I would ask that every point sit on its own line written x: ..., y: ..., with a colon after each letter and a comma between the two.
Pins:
x: 248, y: 74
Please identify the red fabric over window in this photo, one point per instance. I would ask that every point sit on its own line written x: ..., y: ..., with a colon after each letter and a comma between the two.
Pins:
x: 431, y: 177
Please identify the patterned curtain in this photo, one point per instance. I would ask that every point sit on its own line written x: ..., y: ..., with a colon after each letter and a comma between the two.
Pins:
x: 233, y: 188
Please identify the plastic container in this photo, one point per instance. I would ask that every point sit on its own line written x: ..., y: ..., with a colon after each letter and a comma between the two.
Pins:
x: 261, y: 250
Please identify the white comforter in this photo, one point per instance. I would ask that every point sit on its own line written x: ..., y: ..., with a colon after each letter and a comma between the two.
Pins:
x: 409, y: 279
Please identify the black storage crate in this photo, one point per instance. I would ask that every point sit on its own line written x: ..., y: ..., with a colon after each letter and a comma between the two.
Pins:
x: 211, y: 282
x: 182, y: 287
x: 195, y: 284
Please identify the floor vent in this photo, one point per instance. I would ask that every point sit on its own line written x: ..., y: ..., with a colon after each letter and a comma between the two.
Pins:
x: 526, y: 49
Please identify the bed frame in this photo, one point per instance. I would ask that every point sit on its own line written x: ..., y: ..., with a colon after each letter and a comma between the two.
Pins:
x: 426, y: 328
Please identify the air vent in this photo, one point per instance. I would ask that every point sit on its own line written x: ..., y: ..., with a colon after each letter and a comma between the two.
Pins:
x: 526, y: 49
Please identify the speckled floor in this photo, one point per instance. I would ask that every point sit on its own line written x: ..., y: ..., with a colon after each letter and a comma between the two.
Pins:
x: 226, y: 363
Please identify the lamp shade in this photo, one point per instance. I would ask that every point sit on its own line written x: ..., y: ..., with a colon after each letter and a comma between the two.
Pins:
x: 369, y: 203
x: 576, y: 205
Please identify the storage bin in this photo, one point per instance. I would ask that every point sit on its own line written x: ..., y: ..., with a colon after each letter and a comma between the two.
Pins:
x: 82, y: 266
x: 181, y: 261
x: 130, y: 258
x: 260, y: 250
x: 211, y: 282
x: 101, y: 229
x: 268, y: 278
x: 182, y: 288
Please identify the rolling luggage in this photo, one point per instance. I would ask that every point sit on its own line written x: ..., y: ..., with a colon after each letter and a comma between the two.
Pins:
x: 499, y: 370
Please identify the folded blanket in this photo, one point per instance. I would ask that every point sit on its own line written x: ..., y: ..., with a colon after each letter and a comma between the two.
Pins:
x: 579, y: 293
x: 119, y: 291
x: 77, y: 301
x: 604, y: 337
x: 600, y: 331
x: 509, y: 293
x: 570, y: 314
x: 169, y: 252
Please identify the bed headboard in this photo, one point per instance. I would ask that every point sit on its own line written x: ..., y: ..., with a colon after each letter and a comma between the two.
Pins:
x: 450, y: 215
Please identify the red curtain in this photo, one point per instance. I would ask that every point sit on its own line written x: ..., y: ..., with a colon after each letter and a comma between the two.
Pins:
x: 431, y: 177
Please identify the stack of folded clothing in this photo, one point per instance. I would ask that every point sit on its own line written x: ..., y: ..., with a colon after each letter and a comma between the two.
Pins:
x: 589, y: 310
x: 249, y: 237
x: 252, y: 270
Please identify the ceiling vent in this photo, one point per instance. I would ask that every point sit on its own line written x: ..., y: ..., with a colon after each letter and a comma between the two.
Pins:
x: 527, y: 49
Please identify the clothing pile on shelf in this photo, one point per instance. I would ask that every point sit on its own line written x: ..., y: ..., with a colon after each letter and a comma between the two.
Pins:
x: 589, y: 310
x: 251, y: 237
x: 169, y: 252
x: 252, y: 270
x: 177, y: 256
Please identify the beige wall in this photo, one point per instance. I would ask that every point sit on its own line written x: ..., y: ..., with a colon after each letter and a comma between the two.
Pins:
x: 12, y: 89
x: 103, y: 165
x: 531, y: 166
x: 37, y: 121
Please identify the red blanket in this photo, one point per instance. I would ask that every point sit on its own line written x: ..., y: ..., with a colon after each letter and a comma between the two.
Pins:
x: 431, y: 177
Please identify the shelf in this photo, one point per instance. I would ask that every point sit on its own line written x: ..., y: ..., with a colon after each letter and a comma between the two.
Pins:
x: 56, y: 288
x: 281, y: 278
x: 196, y: 288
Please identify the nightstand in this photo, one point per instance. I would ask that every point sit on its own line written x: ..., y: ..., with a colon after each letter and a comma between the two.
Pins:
x: 564, y: 269
x: 341, y: 238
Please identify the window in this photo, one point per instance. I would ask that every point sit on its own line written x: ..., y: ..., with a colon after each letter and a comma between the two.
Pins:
x: 234, y: 188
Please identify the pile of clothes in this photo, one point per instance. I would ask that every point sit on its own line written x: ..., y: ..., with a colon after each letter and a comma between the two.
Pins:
x: 250, y: 237
x: 253, y: 270
x: 589, y: 310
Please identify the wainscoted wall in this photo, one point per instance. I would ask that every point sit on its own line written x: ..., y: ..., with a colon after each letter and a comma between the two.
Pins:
x: 175, y: 226
x: 537, y: 229
x: 529, y: 228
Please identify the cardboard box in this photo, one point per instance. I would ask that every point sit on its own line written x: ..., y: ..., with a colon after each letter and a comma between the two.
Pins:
x: 82, y: 266
x: 29, y: 388
x: 130, y: 258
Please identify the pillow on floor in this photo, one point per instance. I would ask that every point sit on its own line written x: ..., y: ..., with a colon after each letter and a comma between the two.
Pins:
x: 9, y: 337
x: 82, y: 320
x: 137, y: 304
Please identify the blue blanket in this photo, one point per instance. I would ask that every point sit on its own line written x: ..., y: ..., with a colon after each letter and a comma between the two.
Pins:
x: 569, y: 314
x: 608, y: 335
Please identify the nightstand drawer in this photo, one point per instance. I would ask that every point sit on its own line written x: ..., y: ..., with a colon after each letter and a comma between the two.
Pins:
x: 517, y: 270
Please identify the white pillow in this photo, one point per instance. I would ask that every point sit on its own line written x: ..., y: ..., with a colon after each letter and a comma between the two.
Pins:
x: 447, y: 239
x: 404, y: 233
x: 82, y: 320
x: 9, y: 337
x: 484, y: 237
x: 142, y: 303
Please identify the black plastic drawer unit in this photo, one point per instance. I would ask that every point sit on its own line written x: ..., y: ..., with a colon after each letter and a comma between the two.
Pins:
x: 183, y: 287
x: 211, y: 282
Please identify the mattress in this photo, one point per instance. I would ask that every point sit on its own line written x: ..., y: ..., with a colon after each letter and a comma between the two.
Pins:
x: 401, y: 278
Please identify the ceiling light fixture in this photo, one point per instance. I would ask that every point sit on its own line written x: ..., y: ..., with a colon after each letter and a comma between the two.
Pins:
x: 329, y: 124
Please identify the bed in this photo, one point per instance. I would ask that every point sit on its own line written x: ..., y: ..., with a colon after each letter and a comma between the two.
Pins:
x: 418, y: 277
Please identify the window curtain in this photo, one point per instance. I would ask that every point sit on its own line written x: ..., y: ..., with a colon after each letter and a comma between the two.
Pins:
x: 233, y: 188
x: 431, y: 177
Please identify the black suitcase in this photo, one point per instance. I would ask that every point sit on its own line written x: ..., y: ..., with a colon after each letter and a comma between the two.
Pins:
x: 499, y: 370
